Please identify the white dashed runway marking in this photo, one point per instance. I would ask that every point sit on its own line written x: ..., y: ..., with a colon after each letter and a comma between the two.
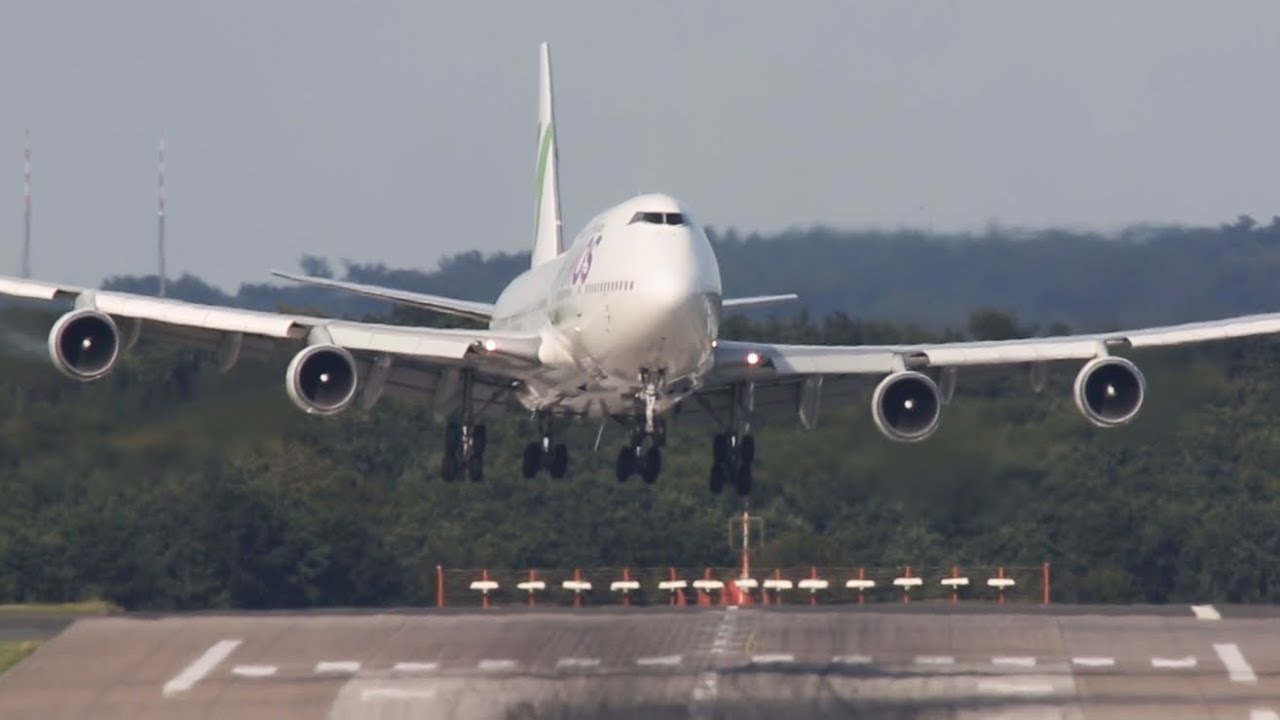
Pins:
x: 1015, y: 661
x: 1015, y: 687
x: 200, y: 667
x: 254, y: 671
x: 851, y: 660
x: 772, y: 659
x: 415, y: 667
x: 1173, y: 663
x: 577, y: 662
x: 935, y: 660
x: 662, y: 660
x: 1093, y: 661
x: 495, y: 665
x: 1206, y: 612
x: 373, y: 694
x: 337, y: 667
x: 1263, y: 715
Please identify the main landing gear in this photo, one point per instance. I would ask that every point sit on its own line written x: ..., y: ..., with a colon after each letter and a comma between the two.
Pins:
x: 732, y: 456
x: 464, y: 446
x: 545, y: 455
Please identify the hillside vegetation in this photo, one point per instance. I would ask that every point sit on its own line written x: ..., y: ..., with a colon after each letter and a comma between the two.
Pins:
x: 168, y: 485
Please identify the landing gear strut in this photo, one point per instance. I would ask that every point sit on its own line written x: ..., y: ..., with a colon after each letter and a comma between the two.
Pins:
x: 545, y: 454
x: 733, y: 453
x: 464, y: 442
x: 643, y: 455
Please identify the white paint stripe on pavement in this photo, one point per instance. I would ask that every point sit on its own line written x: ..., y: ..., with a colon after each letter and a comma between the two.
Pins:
x: 935, y: 660
x: 1238, y: 669
x: 493, y: 665
x: 415, y: 667
x: 1015, y: 687
x: 371, y: 694
x: 851, y: 660
x: 345, y: 667
x: 1206, y: 612
x: 1093, y: 661
x: 1173, y: 663
x: 1018, y: 661
x: 666, y: 660
x: 772, y: 658
x: 1263, y: 715
x: 577, y: 662
x: 200, y: 667
x: 254, y: 671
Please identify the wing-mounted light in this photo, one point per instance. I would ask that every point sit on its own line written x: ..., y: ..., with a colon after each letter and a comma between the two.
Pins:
x: 514, y: 350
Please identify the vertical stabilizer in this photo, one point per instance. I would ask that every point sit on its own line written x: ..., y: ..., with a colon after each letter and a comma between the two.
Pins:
x: 546, y: 224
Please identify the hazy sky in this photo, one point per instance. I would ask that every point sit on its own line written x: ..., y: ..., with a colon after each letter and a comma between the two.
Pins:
x: 401, y: 131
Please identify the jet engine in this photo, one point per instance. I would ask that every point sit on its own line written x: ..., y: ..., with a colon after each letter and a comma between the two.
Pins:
x: 1109, y: 391
x: 84, y: 344
x: 321, y: 379
x: 906, y: 406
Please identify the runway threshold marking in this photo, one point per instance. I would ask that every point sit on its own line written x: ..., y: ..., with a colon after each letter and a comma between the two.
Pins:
x: 1093, y: 661
x: 337, y: 667
x: 254, y: 671
x: 1173, y: 663
x: 1017, y: 661
x: 1206, y: 612
x: 1238, y: 669
x: 200, y: 667
x: 663, y: 660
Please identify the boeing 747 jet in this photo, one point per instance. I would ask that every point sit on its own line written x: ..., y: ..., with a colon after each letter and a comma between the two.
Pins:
x: 621, y: 325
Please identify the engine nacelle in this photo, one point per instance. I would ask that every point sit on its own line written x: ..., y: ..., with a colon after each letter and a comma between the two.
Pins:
x: 1109, y: 391
x: 907, y: 406
x: 321, y: 379
x: 84, y: 344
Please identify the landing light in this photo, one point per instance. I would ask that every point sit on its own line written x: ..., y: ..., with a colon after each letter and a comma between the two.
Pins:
x: 490, y: 345
x: 753, y: 358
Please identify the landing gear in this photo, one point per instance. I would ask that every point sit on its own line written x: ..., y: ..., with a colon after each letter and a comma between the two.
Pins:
x: 464, y: 447
x: 545, y: 455
x: 643, y: 455
x: 732, y: 457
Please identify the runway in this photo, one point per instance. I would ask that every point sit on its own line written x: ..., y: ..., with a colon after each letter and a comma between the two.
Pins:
x: 921, y: 661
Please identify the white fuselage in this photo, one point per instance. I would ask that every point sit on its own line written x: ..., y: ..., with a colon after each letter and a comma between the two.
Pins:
x: 628, y: 299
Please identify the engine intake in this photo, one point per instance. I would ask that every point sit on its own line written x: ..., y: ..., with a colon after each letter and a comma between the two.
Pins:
x: 84, y: 344
x: 322, y: 379
x: 906, y: 406
x: 1109, y: 391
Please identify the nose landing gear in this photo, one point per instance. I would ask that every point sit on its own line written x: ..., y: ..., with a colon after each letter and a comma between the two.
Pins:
x: 643, y: 455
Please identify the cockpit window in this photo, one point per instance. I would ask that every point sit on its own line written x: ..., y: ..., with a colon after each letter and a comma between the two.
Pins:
x: 657, y: 218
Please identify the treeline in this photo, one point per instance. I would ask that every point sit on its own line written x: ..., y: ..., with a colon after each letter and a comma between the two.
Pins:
x: 169, y: 485
x: 1091, y: 280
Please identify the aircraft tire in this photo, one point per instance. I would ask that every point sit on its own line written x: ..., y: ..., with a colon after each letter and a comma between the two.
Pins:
x: 626, y: 464
x: 532, y: 461
x: 559, y: 466
x: 475, y: 467
x: 742, y: 480
x: 652, y: 467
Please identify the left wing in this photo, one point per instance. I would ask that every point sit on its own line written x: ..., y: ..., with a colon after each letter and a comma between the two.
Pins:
x: 794, y: 377
x: 86, y: 342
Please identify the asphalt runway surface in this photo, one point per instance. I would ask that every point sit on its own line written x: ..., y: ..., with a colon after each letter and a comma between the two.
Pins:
x: 921, y: 661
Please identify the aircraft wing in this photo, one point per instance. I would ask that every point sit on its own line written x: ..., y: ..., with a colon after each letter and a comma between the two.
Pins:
x: 451, y: 306
x: 755, y: 301
x: 409, y: 358
x: 782, y: 374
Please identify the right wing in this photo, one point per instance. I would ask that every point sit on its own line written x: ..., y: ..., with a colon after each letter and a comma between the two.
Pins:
x: 398, y: 358
x: 461, y: 308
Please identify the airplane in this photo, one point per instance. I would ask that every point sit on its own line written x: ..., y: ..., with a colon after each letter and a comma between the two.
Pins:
x: 621, y: 325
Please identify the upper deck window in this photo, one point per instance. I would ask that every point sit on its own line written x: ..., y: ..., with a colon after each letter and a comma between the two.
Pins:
x: 657, y: 218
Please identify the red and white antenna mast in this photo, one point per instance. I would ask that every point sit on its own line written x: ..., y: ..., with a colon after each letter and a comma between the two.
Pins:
x: 26, y: 200
x: 160, y: 211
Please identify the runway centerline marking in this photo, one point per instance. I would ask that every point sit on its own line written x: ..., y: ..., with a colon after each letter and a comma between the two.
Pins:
x: 371, y: 694
x: 772, y: 659
x: 1173, y: 663
x: 1093, y: 661
x: 200, y: 667
x: 1015, y: 687
x: 935, y: 660
x: 336, y: 667
x: 494, y: 665
x: 1206, y: 612
x: 1018, y: 661
x: 664, y: 660
x: 1238, y: 669
x: 415, y: 667
x: 254, y: 671
x: 577, y: 662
